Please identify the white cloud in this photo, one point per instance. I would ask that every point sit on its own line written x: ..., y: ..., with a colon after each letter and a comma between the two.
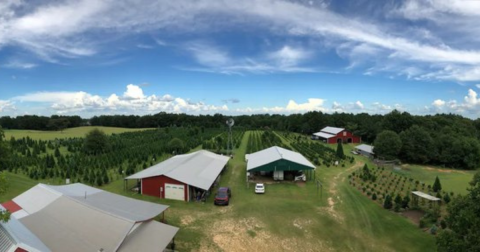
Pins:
x: 438, y: 103
x: 133, y: 101
x: 133, y: 92
x: 19, y: 64
x: 6, y: 106
x: 61, y: 29
x: 359, y: 105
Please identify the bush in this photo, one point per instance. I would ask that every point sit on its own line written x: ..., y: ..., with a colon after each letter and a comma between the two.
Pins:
x: 374, y: 196
x: 433, y: 229
x: 443, y: 224
x: 422, y: 223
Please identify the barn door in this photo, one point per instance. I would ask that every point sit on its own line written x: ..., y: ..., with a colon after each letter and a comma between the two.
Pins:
x: 173, y: 191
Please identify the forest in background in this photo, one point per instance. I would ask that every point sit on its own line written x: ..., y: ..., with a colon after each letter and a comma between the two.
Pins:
x: 447, y: 140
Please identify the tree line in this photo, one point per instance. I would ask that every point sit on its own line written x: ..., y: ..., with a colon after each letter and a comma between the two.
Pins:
x: 443, y: 139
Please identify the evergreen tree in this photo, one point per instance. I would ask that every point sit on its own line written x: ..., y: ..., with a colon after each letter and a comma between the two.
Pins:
x: 4, y: 214
x: 57, y: 152
x: 437, y: 186
x: 398, y: 202
x: 340, y: 153
x: 387, y: 204
x: 406, y: 202
x: 446, y: 198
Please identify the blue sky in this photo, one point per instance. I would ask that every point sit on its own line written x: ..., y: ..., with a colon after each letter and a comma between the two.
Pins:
x: 93, y: 57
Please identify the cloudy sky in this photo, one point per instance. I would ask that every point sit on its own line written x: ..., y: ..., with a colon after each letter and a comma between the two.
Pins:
x: 92, y: 57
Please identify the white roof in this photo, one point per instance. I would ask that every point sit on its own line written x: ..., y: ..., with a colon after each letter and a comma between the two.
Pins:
x: 273, y: 154
x: 19, y: 236
x: 199, y: 169
x: 83, y: 218
x: 323, y: 135
x: 425, y: 196
x: 332, y: 130
x: 365, y: 147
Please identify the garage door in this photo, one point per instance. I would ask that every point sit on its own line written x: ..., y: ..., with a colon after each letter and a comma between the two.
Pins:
x: 173, y: 191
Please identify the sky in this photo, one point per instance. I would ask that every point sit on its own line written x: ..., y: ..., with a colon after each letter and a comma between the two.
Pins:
x: 105, y: 57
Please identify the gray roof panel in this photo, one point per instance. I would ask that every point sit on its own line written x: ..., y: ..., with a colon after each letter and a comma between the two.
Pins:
x: 332, y: 130
x: 323, y: 135
x: 365, y: 147
x: 199, y: 169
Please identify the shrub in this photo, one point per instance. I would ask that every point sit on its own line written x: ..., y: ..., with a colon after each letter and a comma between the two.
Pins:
x: 443, y: 224
x: 374, y: 196
x: 433, y: 229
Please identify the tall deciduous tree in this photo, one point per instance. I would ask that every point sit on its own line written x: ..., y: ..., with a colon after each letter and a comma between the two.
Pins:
x: 463, y: 221
x: 387, y: 144
x: 96, y: 142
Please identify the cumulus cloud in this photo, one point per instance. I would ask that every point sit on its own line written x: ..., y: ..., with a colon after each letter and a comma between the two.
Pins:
x: 470, y: 106
x: 133, y: 101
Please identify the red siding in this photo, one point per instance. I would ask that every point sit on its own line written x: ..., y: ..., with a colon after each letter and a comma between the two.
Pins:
x: 355, y: 139
x: 151, y: 186
x: 20, y: 250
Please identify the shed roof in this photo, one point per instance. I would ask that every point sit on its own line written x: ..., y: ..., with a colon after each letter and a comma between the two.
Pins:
x: 82, y: 218
x: 199, y: 169
x: 332, y: 130
x: 323, y: 135
x: 426, y: 196
x: 365, y: 147
x: 275, y: 153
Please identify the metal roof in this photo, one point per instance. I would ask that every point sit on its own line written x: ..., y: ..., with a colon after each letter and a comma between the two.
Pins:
x: 332, y: 130
x: 199, y: 169
x: 17, y: 235
x: 150, y: 235
x: 83, y: 218
x: 426, y: 196
x: 365, y: 147
x: 323, y: 135
x: 273, y: 154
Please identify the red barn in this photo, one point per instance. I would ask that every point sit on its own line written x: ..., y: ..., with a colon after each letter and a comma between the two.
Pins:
x: 334, y: 135
x: 182, y: 177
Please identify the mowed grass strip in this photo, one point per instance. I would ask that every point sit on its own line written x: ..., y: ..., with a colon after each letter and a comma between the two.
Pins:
x: 67, y: 133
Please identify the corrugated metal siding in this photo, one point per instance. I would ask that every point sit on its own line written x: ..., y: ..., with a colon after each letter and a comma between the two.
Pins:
x: 6, y: 241
x: 151, y: 186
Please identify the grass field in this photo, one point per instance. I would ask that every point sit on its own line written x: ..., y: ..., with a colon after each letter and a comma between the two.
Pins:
x: 289, y: 217
x: 452, y: 180
x: 71, y: 132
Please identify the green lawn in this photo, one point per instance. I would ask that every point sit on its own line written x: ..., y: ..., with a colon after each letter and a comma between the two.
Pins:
x: 289, y: 217
x: 452, y: 180
x: 71, y: 132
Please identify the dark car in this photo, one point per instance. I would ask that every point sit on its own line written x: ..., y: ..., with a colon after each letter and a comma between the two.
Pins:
x: 223, y: 196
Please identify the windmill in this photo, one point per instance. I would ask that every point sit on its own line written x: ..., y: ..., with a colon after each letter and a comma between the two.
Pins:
x: 230, y: 123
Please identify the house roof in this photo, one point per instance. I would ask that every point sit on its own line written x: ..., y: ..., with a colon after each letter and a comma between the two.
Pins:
x: 82, y: 218
x: 14, y: 234
x: 199, y: 169
x: 332, y: 130
x: 323, y: 135
x: 426, y: 196
x: 275, y: 153
x: 365, y: 147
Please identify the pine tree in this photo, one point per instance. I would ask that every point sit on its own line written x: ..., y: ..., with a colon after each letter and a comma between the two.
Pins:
x: 387, y: 204
x: 405, y: 201
x: 437, y: 186
x: 340, y: 153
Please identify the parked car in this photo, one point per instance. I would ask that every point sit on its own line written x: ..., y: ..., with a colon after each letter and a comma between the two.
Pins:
x: 223, y: 196
x: 259, y: 188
